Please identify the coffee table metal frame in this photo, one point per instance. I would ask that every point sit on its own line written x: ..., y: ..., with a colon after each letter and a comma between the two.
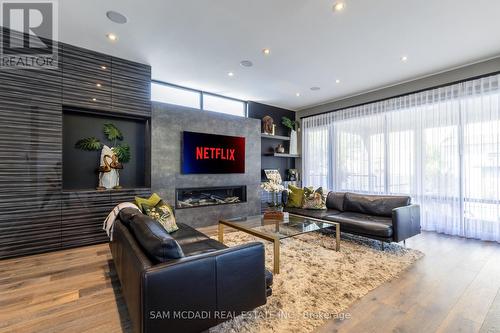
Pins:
x: 273, y: 238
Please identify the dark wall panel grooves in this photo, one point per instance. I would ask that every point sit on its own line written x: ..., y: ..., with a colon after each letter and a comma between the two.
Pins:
x: 36, y: 215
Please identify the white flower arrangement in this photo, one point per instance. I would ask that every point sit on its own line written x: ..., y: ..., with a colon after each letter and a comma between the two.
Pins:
x: 274, y: 186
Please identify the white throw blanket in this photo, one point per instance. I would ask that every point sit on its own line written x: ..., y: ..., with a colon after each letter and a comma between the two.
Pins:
x: 110, y: 220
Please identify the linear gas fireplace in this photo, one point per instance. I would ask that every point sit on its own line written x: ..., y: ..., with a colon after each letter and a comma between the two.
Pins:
x: 209, y: 196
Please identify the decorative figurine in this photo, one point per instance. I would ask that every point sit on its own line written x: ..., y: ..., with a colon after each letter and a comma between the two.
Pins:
x: 111, y: 160
x: 268, y: 125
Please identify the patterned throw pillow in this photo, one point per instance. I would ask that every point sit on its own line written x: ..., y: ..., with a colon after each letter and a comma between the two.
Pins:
x: 314, y: 199
x: 163, y: 213
x: 151, y: 201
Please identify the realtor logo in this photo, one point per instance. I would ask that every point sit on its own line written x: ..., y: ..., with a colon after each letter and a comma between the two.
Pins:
x: 29, y: 34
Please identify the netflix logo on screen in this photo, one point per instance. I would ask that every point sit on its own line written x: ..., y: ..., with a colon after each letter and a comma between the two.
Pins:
x: 210, y: 153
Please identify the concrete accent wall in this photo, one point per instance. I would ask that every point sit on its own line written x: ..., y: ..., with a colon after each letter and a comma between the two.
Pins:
x: 168, y: 122
x: 442, y: 78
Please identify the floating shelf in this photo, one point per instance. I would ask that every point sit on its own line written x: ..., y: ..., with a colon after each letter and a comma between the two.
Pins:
x: 274, y: 137
x: 282, y: 155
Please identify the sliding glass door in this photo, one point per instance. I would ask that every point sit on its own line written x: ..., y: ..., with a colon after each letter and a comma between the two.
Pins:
x: 441, y: 146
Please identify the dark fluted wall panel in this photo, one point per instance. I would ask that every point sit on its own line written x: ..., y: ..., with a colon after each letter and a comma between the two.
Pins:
x: 86, y: 78
x: 30, y: 161
x: 130, y: 87
x: 83, y: 214
x: 36, y: 215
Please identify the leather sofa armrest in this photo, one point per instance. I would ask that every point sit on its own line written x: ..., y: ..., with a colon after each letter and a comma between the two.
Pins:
x: 241, y: 278
x: 231, y: 279
x: 405, y: 222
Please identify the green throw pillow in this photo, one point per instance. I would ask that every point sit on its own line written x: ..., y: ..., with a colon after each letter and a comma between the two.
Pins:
x: 151, y: 201
x: 314, y: 199
x: 163, y: 213
x: 295, y: 197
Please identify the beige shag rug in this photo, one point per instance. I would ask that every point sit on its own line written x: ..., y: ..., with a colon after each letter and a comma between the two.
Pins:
x: 316, y: 283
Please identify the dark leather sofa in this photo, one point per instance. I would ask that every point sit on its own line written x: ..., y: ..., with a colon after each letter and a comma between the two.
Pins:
x: 386, y: 218
x: 184, y: 281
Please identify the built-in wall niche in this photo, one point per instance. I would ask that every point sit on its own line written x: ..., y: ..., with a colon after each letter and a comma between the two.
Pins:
x: 80, y: 167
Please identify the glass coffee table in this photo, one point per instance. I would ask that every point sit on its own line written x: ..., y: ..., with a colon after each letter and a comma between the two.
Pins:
x: 275, y: 230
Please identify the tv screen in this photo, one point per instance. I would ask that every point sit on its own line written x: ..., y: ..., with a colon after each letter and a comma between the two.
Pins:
x: 210, y: 153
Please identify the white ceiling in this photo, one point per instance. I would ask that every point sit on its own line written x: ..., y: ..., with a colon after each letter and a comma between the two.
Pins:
x: 195, y: 43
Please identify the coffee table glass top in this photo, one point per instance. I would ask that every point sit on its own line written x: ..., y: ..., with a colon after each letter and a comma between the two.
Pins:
x: 293, y: 226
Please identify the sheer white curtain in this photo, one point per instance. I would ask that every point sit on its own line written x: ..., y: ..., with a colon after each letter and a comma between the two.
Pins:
x: 440, y: 146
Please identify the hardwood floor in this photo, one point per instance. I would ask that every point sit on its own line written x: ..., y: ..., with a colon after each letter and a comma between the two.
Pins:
x: 73, y: 290
x: 454, y: 288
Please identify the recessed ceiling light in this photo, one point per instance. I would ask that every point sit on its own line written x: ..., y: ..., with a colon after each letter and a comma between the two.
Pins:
x: 103, y: 67
x: 315, y: 88
x: 404, y: 58
x: 297, y: 94
x: 337, y: 81
x: 116, y: 17
x: 266, y: 51
x: 94, y: 99
x: 230, y: 74
x: 112, y: 37
x: 246, y: 63
x: 338, y: 6
x: 98, y: 85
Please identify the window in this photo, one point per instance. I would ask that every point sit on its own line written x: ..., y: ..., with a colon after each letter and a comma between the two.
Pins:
x: 441, y: 147
x: 224, y: 105
x: 174, y: 95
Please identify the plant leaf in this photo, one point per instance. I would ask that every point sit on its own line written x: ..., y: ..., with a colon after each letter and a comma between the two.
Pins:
x: 291, y: 124
x: 112, y: 132
x: 122, y: 152
x: 89, y: 144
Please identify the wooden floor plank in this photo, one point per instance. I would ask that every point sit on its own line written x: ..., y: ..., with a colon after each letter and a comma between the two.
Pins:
x: 454, y: 288
x: 450, y: 290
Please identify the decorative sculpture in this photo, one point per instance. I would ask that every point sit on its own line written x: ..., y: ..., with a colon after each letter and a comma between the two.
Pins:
x: 268, y: 125
x: 111, y: 160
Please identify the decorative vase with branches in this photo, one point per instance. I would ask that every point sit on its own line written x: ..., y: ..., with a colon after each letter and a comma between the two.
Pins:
x: 112, y: 159
x: 294, y: 126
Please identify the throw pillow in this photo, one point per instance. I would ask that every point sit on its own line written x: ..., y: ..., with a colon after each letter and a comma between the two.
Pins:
x: 295, y: 197
x: 151, y: 201
x: 314, y: 199
x: 163, y: 213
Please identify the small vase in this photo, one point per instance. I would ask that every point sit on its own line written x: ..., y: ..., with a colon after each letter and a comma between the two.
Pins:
x: 293, y: 142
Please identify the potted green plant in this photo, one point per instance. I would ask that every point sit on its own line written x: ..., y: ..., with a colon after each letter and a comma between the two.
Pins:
x: 294, y: 126
x: 112, y: 158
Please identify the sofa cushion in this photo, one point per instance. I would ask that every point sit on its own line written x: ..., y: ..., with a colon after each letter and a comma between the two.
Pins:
x: 381, y: 205
x: 126, y: 214
x: 156, y: 242
x: 363, y: 224
x: 151, y: 201
x: 317, y: 214
x: 186, y: 234
x: 204, y: 246
x: 163, y: 213
x: 314, y: 199
x: 295, y: 197
x: 193, y: 242
x: 335, y: 200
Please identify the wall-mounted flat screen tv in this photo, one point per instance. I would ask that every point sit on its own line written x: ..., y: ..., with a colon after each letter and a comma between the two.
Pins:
x: 210, y: 153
